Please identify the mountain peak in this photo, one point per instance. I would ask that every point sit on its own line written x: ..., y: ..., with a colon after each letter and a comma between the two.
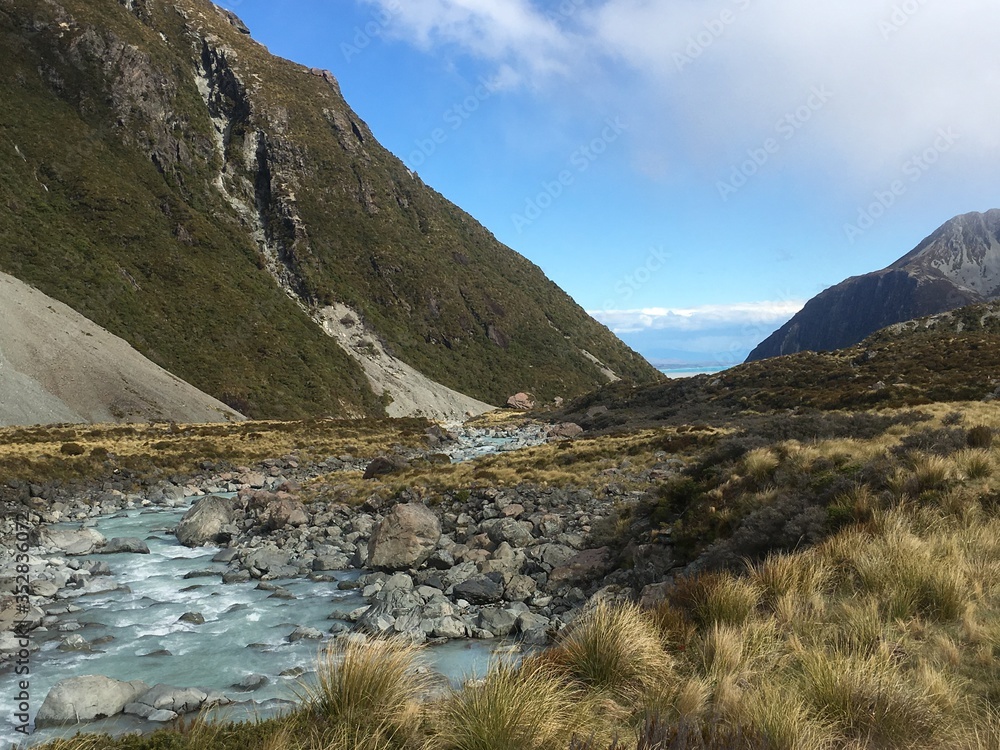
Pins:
x: 957, y: 265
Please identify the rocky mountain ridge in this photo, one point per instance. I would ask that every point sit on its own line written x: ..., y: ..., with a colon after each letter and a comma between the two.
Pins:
x: 957, y: 265
x: 172, y: 181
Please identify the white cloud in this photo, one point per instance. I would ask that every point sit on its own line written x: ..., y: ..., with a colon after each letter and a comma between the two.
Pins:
x: 898, y: 69
x: 717, y: 335
x: 749, y: 315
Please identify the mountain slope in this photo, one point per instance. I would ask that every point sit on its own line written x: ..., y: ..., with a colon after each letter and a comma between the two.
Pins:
x: 56, y: 366
x: 957, y: 265
x: 168, y: 178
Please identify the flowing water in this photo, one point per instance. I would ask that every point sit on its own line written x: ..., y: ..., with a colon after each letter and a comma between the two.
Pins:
x: 244, y: 633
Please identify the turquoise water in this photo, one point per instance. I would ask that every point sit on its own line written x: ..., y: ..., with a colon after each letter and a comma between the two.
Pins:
x: 245, y: 630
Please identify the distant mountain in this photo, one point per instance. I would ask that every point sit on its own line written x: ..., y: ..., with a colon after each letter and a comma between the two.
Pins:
x: 958, y: 265
x: 227, y: 214
x: 58, y: 367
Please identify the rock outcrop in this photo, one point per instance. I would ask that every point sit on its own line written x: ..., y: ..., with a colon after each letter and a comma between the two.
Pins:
x: 957, y: 265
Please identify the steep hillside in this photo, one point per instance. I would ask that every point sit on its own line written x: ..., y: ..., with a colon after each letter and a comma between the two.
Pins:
x: 957, y: 265
x: 951, y: 357
x: 56, y: 367
x: 168, y: 178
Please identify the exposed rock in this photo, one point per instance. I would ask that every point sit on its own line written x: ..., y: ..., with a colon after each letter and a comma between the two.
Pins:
x: 405, y: 538
x: 284, y: 512
x: 192, y: 618
x: 384, y: 465
x: 126, y: 544
x: 523, y: 401
x: 209, y: 521
x: 302, y: 633
x: 589, y: 563
x: 565, y: 430
x: 166, y: 697
x: 480, y: 590
x: 72, y: 543
x: 86, y: 698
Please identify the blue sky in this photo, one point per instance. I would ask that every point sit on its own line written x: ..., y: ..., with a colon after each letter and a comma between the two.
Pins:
x: 690, y: 171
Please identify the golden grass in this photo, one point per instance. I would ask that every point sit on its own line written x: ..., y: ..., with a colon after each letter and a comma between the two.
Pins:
x: 38, y: 454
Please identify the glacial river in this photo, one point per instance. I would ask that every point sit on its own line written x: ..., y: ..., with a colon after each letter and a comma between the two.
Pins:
x: 245, y: 630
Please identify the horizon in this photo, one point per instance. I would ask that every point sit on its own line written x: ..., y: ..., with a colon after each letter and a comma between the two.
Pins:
x: 693, y: 174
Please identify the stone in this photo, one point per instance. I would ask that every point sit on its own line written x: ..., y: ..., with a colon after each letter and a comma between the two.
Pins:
x: 302, y: 633
x: 522, y: 401
x: 519, y: 588
x: 73, y: 543
x: 446, y: 627
x: 193, y: 618
x: 207, y: 522
x: 86, y: 698
x: 284, y: 512
x: 655, y: 594
x: 251, y: 682
x: 513, y: 532
x: 174, y: 699
x: 383, y: 465
x: 127, y: 544
x: 269, y: 562
x: 405, y: 538
x: 584, y: 565
x: 565, y: 430
x: 479, y: 590
x: 500, y: 622
x: 43, y: 588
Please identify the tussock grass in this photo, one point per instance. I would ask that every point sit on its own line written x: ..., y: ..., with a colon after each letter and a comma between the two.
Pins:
x: 367, y: 688
x: 513, y: 708
x: 612, y: 649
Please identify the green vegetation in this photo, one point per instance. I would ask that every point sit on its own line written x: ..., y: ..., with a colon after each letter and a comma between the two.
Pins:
x: 108, y: 182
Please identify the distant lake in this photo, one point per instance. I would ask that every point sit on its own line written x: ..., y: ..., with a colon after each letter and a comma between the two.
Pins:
x: 687, y: 372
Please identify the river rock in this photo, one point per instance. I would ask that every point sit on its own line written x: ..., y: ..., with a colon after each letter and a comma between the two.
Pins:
x: 168, y: 698
x: 86, y: 698
x: 523, y: 401
x: 500, y: 622
x: 480, y: 589
x: 125, y: 544
x: 565, y: 430
x: 251, y: 682
x: 192, y: 618
x: 73, y: 543
x: 302, y: 633
x: 583, y: 565
x: 269, y: 563
x: 405, y: 538
x: 284, y: 512
x: 209, y: 521
x: 515, y: 533
x: 43, y: 588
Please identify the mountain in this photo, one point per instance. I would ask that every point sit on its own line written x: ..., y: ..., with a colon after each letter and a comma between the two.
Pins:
x: 957, y: 265
x: 227, y: 214
x: 56, y: 367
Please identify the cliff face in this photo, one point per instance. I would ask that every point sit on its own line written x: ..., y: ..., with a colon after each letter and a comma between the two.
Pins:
x: 168, y: 178
x: 956, y: 266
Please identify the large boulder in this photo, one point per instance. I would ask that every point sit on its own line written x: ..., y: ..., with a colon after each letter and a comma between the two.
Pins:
x: 86, y: 698
x: 209, y: 521
x: 74, y: 543
x: 405, y: 538
x: 284, y: 512
x: 522, y: 401
x: 126, y: 544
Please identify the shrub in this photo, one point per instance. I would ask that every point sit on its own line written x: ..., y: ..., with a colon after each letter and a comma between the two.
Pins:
x: 975, y: 463
x: 980, y: 436
x: 72, y: 449
x: 717, y: 598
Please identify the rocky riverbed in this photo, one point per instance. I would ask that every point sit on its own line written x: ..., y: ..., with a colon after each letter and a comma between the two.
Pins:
x: 491, y: 564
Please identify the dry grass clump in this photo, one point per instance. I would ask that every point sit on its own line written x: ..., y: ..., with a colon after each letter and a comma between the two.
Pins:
x: 613, y: 649
x: 513, y: 708
x: 366, y: 688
